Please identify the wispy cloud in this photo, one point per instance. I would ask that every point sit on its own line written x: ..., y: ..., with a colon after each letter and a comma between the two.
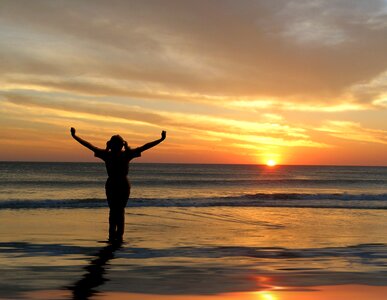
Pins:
x: 202, y: 127
x: 354, y: 131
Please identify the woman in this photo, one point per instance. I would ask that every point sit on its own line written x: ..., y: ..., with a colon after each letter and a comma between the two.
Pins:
x: 117, y: 156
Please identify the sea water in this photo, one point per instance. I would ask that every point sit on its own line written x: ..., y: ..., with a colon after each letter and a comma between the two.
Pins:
x: 194, y: 230
x: 32, y: 185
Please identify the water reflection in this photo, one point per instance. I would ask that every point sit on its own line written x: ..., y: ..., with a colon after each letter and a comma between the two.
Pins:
x: 263, y: 271
x: 265, y: 295
x: 95, y: 271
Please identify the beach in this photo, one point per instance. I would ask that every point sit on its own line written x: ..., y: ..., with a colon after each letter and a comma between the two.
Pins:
x: 194, y: 252
x: 191, y: 252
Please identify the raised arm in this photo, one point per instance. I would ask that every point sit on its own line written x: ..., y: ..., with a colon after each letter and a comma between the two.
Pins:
x: 83, y: 142
x: 154, y: 143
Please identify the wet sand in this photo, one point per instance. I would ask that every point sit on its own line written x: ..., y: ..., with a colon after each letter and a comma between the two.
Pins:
x: 195, y: 253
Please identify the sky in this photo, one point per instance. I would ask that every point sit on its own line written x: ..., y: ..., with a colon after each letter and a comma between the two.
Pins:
x: 298, y: 82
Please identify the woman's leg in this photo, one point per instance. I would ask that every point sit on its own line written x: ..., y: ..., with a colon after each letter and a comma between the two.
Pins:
x: 112, y: 225
x: 124, y: 197
x: 117, y: 193
x: 120, y: 224
x: 116, y: 223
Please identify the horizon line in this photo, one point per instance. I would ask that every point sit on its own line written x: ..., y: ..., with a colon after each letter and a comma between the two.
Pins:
x: 193, y: 163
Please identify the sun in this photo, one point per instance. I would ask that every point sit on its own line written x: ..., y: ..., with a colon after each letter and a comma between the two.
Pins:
x: 271, y: 163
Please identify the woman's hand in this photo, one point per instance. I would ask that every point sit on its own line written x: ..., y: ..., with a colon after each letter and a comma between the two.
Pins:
x: 126, y: 147
x: 72, y: 131
x: 163, y: 135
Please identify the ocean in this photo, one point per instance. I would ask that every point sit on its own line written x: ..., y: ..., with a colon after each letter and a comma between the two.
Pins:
x: 30, y: 185
x: 195, y: 232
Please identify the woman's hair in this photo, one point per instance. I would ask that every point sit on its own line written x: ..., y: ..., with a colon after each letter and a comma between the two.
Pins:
x: 116, y: 142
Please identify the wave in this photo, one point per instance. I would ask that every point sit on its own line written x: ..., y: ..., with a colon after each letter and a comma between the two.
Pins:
x: 321, y: 200
x: 51, y: 183
x: 195, y: 182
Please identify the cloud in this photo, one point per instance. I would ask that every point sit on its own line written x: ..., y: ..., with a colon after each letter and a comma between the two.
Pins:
x: 87, y: 107
x: 205, y: 128
x: 293, y: 51
x: 374, y: 89
x: 354, y: 131
x: 312, y: 22
x: 291, y: 106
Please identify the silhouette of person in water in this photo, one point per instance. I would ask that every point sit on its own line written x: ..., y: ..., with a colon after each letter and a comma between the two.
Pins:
x: 117, y: 156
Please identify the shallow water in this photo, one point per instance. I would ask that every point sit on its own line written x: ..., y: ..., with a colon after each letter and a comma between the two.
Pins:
x: 193, y: 251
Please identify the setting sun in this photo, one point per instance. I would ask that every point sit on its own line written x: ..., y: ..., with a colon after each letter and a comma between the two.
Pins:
x: 271, y: 163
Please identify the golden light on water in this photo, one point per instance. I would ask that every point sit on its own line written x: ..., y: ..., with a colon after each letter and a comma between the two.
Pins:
x: 267, y: 296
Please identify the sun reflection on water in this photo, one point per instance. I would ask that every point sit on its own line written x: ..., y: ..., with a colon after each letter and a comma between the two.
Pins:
x: 268, y: 287
x: 265, y: 295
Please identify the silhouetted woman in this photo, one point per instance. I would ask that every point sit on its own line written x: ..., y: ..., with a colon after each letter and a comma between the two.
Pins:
x: 117, y: 185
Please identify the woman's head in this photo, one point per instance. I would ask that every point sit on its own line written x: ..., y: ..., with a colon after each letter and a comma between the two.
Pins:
x: 115, y: 143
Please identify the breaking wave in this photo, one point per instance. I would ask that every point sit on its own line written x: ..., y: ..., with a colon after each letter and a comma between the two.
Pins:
x: 312, y: 200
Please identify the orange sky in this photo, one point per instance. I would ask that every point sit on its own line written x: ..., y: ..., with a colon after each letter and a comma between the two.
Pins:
x: 299, y: 82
